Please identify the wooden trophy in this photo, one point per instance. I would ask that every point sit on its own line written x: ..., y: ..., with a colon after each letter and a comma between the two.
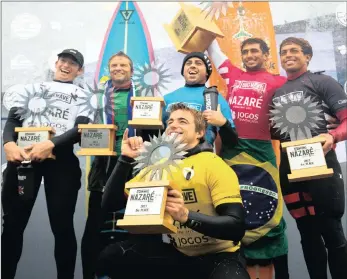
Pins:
x: 191, y: 31
x: 97, y: 139
x: 306, y: 159
x: 147, y: 112
x: 31, y: 135
x: 145, y: 210
x: 296, y: 115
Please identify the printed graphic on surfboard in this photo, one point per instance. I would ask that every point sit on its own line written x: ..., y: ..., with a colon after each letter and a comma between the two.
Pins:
x: 238, y: 22
x: 127, y: 32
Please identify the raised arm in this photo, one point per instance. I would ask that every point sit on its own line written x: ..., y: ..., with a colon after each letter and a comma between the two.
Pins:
x: 224, y: 66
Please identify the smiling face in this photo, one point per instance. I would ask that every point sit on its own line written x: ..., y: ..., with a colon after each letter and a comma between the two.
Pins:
x: 67, y: 69
x: 293, y: 58
x: 183, y: 123
x: 195, y: 71
x: 253, y: 57
x: 120, y: 70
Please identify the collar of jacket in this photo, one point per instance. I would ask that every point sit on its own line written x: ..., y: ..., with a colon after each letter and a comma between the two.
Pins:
x: 203, y: 146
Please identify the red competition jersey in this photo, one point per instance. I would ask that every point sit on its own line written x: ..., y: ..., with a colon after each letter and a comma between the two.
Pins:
x: 249, y: 96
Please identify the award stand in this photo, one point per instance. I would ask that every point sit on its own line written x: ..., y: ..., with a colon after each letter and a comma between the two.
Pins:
x: 97, y: 139
x: 306, y: 159
x: 31, y: 135
x: 190, y: 31
x: 147, y: 113
x: 295, y: 116
x: 145, y: 210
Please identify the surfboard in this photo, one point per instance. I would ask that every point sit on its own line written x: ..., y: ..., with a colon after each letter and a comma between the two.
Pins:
x: 127, y: 32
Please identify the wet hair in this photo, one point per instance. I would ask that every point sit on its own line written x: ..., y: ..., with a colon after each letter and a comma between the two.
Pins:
x: 263, y: 46
x: 199, y: 120
x: 305, y: 45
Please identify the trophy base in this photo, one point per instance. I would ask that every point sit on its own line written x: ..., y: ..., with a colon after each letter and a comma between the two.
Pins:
x: 95, y: 152
x: 310, y: 174
x: 143, y: 124
x: 146, y: 225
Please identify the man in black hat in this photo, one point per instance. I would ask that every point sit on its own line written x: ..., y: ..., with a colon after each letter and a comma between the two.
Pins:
x: 196, y: 70
x: 62, y: 176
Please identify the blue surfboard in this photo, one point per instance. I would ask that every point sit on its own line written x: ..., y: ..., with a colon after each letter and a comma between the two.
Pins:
x: 127, y: 32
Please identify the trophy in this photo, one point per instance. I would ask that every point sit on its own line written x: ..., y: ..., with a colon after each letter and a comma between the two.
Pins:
x: 190, y: 31
x: 296, y: 116
x: 26, y: 177
x: 147, y: 113
x: 145, y: 209
x: 30, y: 135
x: 97, y: 139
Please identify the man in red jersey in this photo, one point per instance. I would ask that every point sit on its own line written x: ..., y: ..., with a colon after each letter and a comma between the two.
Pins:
x: 253, y: 159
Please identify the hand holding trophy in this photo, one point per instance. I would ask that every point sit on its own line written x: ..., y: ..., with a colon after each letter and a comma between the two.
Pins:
x: 297, y: 118
x: 153, y: 196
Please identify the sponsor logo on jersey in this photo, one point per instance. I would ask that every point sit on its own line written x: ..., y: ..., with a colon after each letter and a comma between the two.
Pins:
x: 189, y: 195
x: 257, y: 86
x: 195, y: 106
x: 295, y: 96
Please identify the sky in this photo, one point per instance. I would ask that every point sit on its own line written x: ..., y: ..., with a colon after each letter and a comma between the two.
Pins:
x: 89, y: 20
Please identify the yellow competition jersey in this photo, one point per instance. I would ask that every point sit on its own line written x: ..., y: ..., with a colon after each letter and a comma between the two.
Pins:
x: 206, y: 182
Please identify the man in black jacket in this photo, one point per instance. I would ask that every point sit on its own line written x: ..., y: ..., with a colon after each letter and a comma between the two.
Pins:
x: 316, y: 205
x: 117, y: 110
x: 62, y: 176
x: 209, y: 228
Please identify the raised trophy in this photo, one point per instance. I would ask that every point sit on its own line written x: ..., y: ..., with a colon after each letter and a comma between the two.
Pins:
x: 97, y: 139
x: 145, y: 210
x: 147, y: 113
x: 191, y: 31
x: 297, y: 116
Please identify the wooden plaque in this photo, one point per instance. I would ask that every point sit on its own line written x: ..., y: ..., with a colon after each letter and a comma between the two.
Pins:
x: 31, y: 135
x: 306, y: 159
x: 190, y: 31
x: 97, y: 139
x: 145, y: 210
x: 147, y: 112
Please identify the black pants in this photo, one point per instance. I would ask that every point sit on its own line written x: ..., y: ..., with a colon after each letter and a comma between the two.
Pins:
x: 93, y: 241
x: 62, y: 180
x: 147, y: 257
x: 317, y: 206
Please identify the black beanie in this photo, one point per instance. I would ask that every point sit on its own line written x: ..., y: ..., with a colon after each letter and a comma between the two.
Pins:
x: 203, y: 57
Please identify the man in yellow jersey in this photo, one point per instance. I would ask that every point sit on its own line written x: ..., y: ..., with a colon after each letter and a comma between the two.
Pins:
x: 210, y: 220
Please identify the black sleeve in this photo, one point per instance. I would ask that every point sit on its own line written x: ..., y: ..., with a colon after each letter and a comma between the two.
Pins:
x: 12, y: 122
x: 332, y: 92
x: 71, y: 136
x: 113, y: 198
x: 228, y: 135
x: 230, y: 225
